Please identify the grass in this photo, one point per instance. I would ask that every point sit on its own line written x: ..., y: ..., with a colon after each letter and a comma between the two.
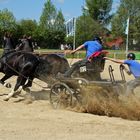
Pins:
x: 118, y: 54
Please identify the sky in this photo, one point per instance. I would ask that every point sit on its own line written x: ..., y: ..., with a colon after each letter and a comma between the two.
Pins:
x: 32, y: 9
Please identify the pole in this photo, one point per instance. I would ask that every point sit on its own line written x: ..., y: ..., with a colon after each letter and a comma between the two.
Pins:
x: 127, y: 39
x: 74, y: 33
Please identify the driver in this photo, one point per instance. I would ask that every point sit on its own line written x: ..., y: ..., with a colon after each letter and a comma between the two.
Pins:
x: 91, y: 47
x: 134, y: 68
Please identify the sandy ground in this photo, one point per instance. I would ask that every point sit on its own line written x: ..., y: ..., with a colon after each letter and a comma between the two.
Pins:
x: 39, y: 121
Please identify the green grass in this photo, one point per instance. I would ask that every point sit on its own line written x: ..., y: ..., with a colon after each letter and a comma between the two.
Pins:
x: 118, y: 54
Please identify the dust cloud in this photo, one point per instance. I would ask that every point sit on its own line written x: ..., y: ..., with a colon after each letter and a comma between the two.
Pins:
x: 100, y: 101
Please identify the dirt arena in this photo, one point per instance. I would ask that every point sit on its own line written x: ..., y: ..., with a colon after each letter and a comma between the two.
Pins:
x: 39, y: 121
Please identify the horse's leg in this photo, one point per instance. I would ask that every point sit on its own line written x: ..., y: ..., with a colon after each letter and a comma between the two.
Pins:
x: 2, y: 81
x: 20, y: 81
x: 26, y: 70
x: 29, y: 83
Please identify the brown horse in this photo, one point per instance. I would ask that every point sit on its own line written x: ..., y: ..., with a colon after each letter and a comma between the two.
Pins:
x: 59, y: 64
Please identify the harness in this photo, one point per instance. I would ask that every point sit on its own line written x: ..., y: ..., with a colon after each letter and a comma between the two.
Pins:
x: 5, y: 58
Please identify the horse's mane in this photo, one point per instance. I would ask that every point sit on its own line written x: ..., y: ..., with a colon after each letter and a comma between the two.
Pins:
x: 14, y: 52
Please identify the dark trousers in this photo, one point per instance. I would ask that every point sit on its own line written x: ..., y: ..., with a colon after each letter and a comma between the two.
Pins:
x: 75, y: 66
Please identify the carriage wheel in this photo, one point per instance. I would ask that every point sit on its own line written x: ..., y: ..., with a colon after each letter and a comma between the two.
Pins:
x: 60, y: 95
x: 78, y: 92
x: 77, y: 97
x: 119, y: 89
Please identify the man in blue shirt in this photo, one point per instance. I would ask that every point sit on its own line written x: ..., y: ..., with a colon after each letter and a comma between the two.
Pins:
x: 91, y: 47
x: 134, y: 68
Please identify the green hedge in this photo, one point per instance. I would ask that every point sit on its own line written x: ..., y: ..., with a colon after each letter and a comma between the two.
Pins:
x: 137, y: 56
x: 116, y: 55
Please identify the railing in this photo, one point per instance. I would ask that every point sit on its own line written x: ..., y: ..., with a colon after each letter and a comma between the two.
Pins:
x: 116, y: 55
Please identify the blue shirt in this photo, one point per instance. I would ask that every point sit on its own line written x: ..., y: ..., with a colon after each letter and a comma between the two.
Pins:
x: 92, y: 47
x: 134, y: 67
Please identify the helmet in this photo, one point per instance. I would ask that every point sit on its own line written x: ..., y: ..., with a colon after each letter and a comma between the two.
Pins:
x: 97, y: 39
x: 131, y: 55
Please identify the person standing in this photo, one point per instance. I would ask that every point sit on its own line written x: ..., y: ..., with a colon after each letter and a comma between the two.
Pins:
x: 134, y: 69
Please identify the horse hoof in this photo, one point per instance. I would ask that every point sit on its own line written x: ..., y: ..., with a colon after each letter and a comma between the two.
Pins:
x: 27, y: 90
x: 8, y: 85
x: 6, y: 99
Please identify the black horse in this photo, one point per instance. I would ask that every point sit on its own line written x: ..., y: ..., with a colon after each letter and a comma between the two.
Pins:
x: 24, y: 66
x: 25, y: 45
x: 28, y: 66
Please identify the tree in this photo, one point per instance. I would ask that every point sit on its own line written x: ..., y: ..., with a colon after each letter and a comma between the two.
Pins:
x: 99, y: 10
x: 118, y: 26
x: 96, y: 15
x: 52, y: 26
x: 128, y: 9
x: 7, y: 20
x: 28, y: 26
x: 60, y: 22
x: 48, y: 16
x: 86, y: 29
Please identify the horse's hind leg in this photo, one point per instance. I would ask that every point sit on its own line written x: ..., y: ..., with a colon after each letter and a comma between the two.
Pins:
x: 26, y: 70
x: 2, y: 81
x: 29, y: 83
x: 20, y: 81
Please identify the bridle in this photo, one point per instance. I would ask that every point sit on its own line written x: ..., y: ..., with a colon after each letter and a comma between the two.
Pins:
x: 18, y: 73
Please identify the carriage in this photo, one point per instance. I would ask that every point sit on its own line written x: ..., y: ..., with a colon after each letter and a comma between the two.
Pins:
x: 68, y: 91
x: 62, y: 90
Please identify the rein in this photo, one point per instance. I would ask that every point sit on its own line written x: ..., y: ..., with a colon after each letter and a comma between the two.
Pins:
x: 19, y: 72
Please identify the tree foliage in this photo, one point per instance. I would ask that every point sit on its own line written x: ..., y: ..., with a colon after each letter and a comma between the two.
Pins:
x: 50, y: 32
x: 28, y: 26
x: 128, y: 9
x: 99, y: 10
x: 7, y: 20
x: 86, y: 29
x: 48, y: 16
x: 59, y: 22
x: 89, y: 24
x: 52, y: 26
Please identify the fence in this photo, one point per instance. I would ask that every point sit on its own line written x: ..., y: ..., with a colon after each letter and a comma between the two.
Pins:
x: 116, y: 55
x: 122, y: 55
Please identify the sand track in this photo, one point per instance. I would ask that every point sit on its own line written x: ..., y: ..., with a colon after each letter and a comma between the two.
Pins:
x: 39, y: 121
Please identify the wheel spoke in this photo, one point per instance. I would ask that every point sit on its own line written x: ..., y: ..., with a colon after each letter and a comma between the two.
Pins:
x: 60, y: 95
x: 55, y: 93
x: 56, y: 104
